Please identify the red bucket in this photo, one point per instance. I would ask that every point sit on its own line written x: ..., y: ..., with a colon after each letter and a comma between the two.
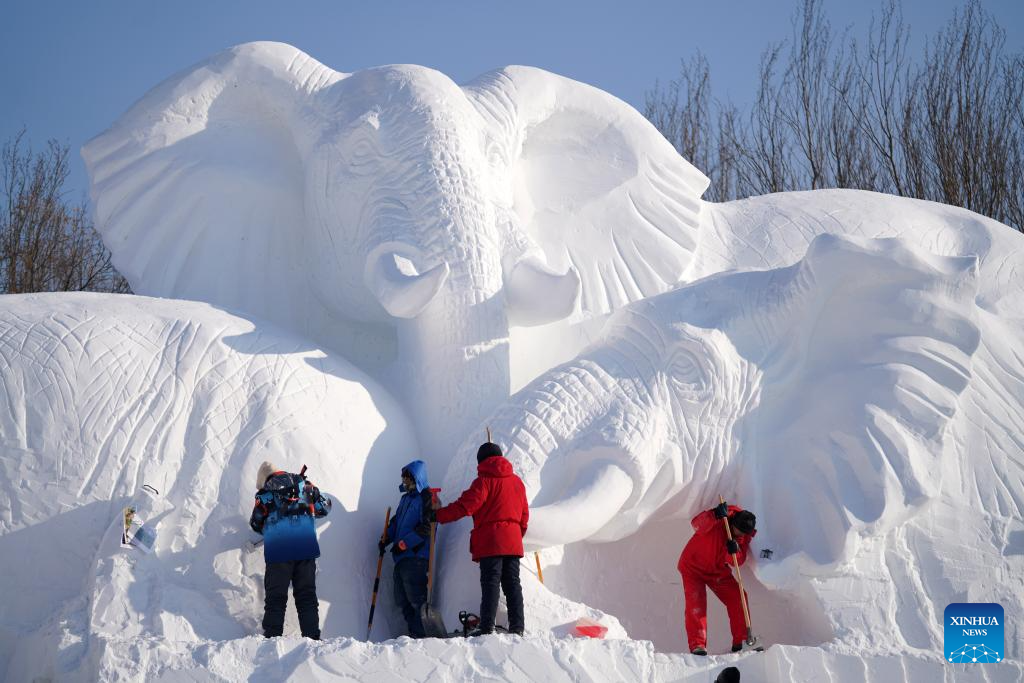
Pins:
x: 588, y: 628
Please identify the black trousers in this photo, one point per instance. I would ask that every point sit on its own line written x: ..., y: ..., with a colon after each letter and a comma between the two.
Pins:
x: 411, y: 592
x: 502, y: 570
x: 301, y: 574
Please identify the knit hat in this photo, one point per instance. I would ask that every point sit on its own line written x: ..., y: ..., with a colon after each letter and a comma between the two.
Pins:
x: 744, y: 521
x: 487, y: 450
x: 266, y: 469
x: 730, y: 674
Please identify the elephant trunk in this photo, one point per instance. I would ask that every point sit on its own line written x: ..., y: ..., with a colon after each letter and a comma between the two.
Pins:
x: 572, y: 439
x: 455, y: 350
x: 457, y: 368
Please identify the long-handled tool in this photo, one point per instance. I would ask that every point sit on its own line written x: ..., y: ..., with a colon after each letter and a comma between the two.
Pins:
x: 540, y: 574
x: 751, y: 639
x: 433, y: 625
x: 376, y: 581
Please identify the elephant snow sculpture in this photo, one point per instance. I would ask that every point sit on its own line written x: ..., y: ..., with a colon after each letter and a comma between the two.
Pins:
x: 816, y: 394
x: 104, y: 393
x: 435, y: 215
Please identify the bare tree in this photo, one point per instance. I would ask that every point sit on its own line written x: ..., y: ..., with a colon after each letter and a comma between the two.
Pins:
x: 46, y: 243
x: 765, y: 148
x: 831, y: 112
x: 682, y: 112
x: 967, y: 117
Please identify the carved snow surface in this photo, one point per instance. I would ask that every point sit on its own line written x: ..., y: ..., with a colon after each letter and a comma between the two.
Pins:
x: 264, y: 181
x: 102, y: 394
x: 248, y: 148
x: 836, y: 398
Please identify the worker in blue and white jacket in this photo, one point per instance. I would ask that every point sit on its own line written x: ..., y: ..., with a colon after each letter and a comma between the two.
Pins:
x: 286, y: 505
x: 409, y: 536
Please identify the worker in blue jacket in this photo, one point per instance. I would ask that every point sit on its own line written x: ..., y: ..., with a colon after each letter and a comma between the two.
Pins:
x: 286, y: 505
x: 409, y: 536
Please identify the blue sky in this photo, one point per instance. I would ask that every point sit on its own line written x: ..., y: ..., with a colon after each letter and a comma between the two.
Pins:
x: 69, y: 69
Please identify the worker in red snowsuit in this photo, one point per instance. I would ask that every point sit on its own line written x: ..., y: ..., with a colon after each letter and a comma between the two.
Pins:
x: 706, y: 562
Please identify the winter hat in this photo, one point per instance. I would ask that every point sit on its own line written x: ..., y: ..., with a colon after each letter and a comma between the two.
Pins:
x: 744, y: 521
x: 730, y: 674
x: 487, y: 450
x: 266, y: 469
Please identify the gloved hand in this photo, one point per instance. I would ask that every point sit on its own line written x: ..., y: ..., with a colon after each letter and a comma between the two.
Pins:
x: 382, y: 545
x: 430, y: 514
x: 721, y: 510
x: 423, y: 529
x: 732, y: 547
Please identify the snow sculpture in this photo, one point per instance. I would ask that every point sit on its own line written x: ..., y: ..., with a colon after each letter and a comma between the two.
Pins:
x: 105, y: 393
x: 263, y: 181
x: 817, y: 395
x: 745, y: 373
x: 456, y: 242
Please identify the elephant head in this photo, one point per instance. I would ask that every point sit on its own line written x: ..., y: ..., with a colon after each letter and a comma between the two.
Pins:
x: 816, y: 395
x: 434, y: 215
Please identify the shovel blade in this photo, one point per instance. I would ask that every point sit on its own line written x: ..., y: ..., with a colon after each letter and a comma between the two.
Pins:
x: 433, y: 625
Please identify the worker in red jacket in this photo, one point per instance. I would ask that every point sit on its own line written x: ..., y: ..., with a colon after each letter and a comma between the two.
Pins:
x: 706, y: 562
x: 497, y: 502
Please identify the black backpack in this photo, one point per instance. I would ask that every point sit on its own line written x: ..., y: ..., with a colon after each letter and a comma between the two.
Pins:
x: 297, y: 498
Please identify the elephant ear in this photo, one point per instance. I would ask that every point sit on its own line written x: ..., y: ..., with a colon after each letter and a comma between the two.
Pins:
x: 199, y: 188
x: 590, y: 183
x: 866, y: 348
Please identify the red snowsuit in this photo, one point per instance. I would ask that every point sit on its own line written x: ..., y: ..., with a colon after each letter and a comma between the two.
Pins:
x: 497, y: 501
x: 705, y: 563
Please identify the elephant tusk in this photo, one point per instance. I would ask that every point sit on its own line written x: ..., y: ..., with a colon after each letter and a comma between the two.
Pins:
x: 535, y: 294
x: 400, y: 288
x: 599, y: 495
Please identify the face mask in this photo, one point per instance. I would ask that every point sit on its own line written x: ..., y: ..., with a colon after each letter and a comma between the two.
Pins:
x: 401, y: 488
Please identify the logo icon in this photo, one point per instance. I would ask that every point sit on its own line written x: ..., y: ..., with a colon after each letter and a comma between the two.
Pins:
x: 973, y: 632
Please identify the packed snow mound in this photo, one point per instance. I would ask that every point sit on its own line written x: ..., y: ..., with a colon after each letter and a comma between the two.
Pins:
x: 502, y: 658
x: 104, y: 393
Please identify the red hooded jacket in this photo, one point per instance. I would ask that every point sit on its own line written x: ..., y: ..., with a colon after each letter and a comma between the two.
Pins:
x: 705, y: 555
x: 497, y: 501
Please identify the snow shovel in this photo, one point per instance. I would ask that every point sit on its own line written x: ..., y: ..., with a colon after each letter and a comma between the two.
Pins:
x: 751, y: 638
x: 376, y: 581
x: 433, y: 625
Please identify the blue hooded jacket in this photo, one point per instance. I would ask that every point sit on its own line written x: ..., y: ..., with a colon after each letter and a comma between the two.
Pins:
x: 411, y: 512
x: 283, y: 514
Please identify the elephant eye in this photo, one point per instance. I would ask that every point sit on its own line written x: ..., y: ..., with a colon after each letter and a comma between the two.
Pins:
x: 495, y: 154
x: 686, y: 373
x: 363, y: 148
